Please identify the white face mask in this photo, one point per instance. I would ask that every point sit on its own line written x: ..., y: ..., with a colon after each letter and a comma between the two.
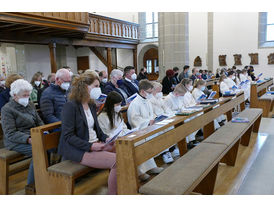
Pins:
x: 203, y: 88
x: 95, y: 93
x: 71, y: 74
x: 181, y: 98
x: 37, y: 83
x: 233, y: 77
x: 149, y: 96
x: 65, y: 85
x: 105, y: 80
x: 190, y: 88
x: 117, y: 109
x: 133, y: 76
x: 23, y: 101
x: 159, y: 95
x: 3, y: 82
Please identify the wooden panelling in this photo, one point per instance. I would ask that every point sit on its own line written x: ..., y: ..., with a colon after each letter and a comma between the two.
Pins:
x: 90, y: 29
x: 81, y: 17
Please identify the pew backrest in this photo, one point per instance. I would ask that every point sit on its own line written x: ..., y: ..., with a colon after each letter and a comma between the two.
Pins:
x: 130, y: 155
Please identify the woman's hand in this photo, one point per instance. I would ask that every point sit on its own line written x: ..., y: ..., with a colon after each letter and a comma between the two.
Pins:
x: 151, y: 122
x: 97, y: 146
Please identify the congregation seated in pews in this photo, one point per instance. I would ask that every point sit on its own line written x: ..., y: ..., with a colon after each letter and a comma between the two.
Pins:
x: 93, y: 120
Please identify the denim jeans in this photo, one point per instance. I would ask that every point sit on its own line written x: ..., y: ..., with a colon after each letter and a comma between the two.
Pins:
x: 26, y: 149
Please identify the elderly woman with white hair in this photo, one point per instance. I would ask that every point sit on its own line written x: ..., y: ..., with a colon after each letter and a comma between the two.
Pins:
x: 116, y: 84
x: 18, y: 117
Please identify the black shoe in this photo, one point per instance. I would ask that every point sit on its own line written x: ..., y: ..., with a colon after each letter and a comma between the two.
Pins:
x: 221, y: 124
x: 199, y: 133
x: 199, y: 139
x: 190, y: 145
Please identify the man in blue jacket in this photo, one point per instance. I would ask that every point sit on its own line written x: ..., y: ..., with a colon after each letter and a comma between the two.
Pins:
x: 55, y: 96
x: 130, y: 83
x: 116, y: 84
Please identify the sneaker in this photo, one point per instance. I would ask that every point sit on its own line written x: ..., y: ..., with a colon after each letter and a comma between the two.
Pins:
x: 144, y: 177
x: 176, y: 153
x: 167, y: 158
x: 156, y: 170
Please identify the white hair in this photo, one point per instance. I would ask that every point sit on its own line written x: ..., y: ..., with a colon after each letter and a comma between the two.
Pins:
x: 61, y: 72
x: 18, y: 86
x: 116, y: 73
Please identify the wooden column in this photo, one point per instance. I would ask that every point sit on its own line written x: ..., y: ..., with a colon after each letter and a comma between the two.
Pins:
x: 52, y: 50
x: 109, y: 60
x: 135, y: 59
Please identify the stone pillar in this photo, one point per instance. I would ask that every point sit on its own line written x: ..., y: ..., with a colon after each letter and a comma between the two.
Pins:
x: 173, y: 41
x: 210, y: 42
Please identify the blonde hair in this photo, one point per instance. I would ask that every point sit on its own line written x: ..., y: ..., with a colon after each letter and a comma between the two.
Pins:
x: 180, y: 88
x: 11, y: 78
x: 199, y: 82
x: 92, y: 72
x: 79, y: 91
x: 222, y: 78
x: 156, y: 85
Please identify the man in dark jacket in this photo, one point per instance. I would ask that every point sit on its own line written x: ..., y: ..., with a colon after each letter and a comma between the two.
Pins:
x: 176, y: 75
x: 116, y: 84
x: 195, y: 73
x: 103, y: 76
x: 55, y: 96
x: 185, y: 73
x: 130, y: 82
x: 142, y: 74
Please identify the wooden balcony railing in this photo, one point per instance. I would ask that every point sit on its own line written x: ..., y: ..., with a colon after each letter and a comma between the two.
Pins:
x: 106, y: 26
x: 82, y: 27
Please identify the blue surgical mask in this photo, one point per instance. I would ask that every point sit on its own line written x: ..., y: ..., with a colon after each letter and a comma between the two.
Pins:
x: 203, y: 88
x: 119, y: 82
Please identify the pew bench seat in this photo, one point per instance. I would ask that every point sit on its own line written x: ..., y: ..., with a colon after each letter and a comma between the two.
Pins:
x: 196, y: 171
x: 232, y: 132
x: 183, y: 176
x: 11, y: 162
x: 69, y: 168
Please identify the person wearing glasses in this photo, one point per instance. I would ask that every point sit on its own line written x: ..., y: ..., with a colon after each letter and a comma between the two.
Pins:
x: 55, y: 96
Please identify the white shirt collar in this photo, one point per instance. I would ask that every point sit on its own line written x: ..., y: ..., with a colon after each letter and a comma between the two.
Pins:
x: 127, y: 79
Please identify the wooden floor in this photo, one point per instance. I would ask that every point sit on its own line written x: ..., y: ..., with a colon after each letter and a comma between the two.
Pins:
x: 229, y: 179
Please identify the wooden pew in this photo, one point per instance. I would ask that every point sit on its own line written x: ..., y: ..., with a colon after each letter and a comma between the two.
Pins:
x: 259, y: 99
x: 124, y: 113
x: 130, y: 156
x: 197, y: 170
x: 211, y: 82
x: 58, y: 178
x: 216, y: 88
x: 11, y: 162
